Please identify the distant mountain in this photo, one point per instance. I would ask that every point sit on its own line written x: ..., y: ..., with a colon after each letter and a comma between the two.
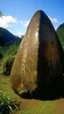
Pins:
x: 8, y: 48
x: 6, y: 36
x: 60, y: 32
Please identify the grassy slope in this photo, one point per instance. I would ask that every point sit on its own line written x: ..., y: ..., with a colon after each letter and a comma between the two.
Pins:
x: 8, y: 46
x: 32, y: 106
x: 60, y: 32
x: 8, y: 51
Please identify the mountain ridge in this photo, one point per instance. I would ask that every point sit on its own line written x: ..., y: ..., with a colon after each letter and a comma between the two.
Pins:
x: 6, y: 37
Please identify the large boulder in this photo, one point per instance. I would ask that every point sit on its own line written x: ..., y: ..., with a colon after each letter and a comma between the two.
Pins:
x: 39, y: 61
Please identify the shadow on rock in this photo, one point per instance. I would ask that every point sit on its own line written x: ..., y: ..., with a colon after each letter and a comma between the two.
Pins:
x: 55, y: 90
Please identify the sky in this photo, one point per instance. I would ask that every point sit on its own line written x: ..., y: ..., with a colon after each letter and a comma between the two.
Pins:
x: 18, y: 13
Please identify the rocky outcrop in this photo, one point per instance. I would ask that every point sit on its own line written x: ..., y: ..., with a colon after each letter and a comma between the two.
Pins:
x: 39, y: 62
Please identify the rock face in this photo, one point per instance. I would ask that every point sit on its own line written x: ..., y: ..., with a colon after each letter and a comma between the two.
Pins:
x: 39, y: 60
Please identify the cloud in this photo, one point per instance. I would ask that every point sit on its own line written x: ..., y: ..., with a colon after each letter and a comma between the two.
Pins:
x: 7, y: 21
x: 25, y: 23
x: 53, y: 20
x: 19, y: 34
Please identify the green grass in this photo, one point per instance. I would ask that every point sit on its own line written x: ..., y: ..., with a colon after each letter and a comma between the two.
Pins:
x: 8, y: 97
x: 41, y: 107
x: 45, y: 107
x: 5, y: 86
x: 7, y: 104
x: 8, y: 51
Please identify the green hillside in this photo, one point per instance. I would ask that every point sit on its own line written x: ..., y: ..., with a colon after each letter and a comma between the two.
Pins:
x: 6, y: 36
x: 60, y: 32
x: 8, y: 48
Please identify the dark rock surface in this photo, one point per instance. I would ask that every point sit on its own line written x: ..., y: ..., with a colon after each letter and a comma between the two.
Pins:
x: 39, y: 63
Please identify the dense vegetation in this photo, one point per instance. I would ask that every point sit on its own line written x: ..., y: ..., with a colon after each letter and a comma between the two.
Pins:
x: 8, y: 48
x: 7, y: 104
x: 60, y: 32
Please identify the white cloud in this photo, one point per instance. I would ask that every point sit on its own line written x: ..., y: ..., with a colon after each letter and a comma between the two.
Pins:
x: 19, y: 34
x: 53, y: 20
x: 25, y: 23
x: 7, y: 21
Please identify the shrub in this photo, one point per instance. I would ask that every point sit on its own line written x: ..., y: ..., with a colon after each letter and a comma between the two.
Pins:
x: 7, y: 104
x: 7, y: 66
x: 1, y: 55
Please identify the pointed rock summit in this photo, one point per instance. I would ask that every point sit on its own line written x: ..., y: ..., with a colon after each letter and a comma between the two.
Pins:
x: 39, y: 61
